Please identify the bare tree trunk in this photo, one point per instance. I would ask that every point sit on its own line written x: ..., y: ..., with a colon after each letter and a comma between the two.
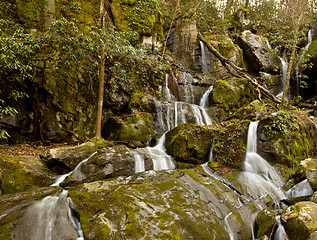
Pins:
x: 101, y: 71
x: 246, y: 5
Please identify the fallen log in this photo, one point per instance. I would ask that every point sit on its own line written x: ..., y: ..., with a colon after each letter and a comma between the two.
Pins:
x: 236, y: 71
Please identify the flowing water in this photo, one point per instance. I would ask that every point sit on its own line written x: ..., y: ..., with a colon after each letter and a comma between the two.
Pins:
x: 309, y: 41
x: 204, y: 66
x: 283, y: 77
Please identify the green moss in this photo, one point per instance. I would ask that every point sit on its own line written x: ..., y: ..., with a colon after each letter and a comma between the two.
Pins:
x: 142, y: 17
x: 312, y: 50
x: 16, y: 175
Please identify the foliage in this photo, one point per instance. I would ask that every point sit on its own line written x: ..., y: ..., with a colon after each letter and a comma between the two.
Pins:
x: 18, y: 65
x: 282, y: 123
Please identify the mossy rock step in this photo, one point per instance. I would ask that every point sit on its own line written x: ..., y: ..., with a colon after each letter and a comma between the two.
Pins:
x: 170, y: 204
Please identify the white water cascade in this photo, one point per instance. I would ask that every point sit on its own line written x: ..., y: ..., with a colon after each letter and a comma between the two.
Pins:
x: 204, y: 101
x: 61, y: 178
x: 283, y: 77
x: 168, y: 95
x: 204, y: 67
x: 258, y: 176
x: 50, y: 218
x: 309, y: 41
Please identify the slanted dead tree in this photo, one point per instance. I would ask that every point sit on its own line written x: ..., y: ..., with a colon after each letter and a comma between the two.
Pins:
x: 236, y: 71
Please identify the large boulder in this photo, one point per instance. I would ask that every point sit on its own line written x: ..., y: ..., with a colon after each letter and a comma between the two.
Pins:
x: 257, y: 55
x: 107, y: 163
x: 310, y: 167
x: 171, y: 204
x: 300, y: 220
x: 266, y: 222
x: 189, y: 143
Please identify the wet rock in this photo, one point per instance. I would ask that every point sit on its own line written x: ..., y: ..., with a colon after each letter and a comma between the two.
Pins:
x: 257, y: 56
x: 185, y: 204
x: 189, y: 143
x: 14, y: 201
x: 21, y: 173
x: 107, y: 163
x: 310, y: 167
x: 266, y: 223
x: 300, y: 220
x: 293, y: 200
x: 69, y: 157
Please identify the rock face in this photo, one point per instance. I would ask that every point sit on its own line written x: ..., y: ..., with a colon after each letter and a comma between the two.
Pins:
x: 300, y: 220
x: 182, y: 42
x: 257, y: 56
x: 287, y: 138
x: 229, y: 95
x: 169, y: 204
x: 310, y: 167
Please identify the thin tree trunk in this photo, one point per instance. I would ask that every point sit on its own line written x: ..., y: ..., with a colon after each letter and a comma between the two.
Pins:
x: 101, y: 71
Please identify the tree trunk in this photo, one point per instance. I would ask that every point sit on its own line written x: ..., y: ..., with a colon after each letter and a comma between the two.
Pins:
x: 101, y: 71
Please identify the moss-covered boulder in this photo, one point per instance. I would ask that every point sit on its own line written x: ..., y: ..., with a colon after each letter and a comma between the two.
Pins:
x: 107, y: 163
x: 143, y: 17
x: 257, y: 55
x: 266, y: 223
x: 310, y: 167
x: 286, y: 138
x: 300, y: 220
x: 252, y: 111
x: 231, y: 94
x: 189, y: 143
x: 314, y: 198
x: 133, y: 130
x: 20, y: 173
x: 169, y: 204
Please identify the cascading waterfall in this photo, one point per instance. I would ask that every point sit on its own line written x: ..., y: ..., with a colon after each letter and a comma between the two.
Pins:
x: 176, y: 114
x: 204, y: 101
x: 168, y: 95
x: 61, y: 178
x: 309, y: 41
x: 283, y: 78
x: 258, y: 176
x: 204, y: 67
x: 301, y: 189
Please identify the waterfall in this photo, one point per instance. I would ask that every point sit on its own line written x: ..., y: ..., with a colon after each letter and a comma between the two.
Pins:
x: 168, y: 95
x: 50, y: 218
x: 258, y: 176
x: 268, y: 44
x: 139, y: 163
x: 204, y: 66
x: 61, y: 178
x: 204, y: 101
x: 309, y: 41
x: 283, y: 78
